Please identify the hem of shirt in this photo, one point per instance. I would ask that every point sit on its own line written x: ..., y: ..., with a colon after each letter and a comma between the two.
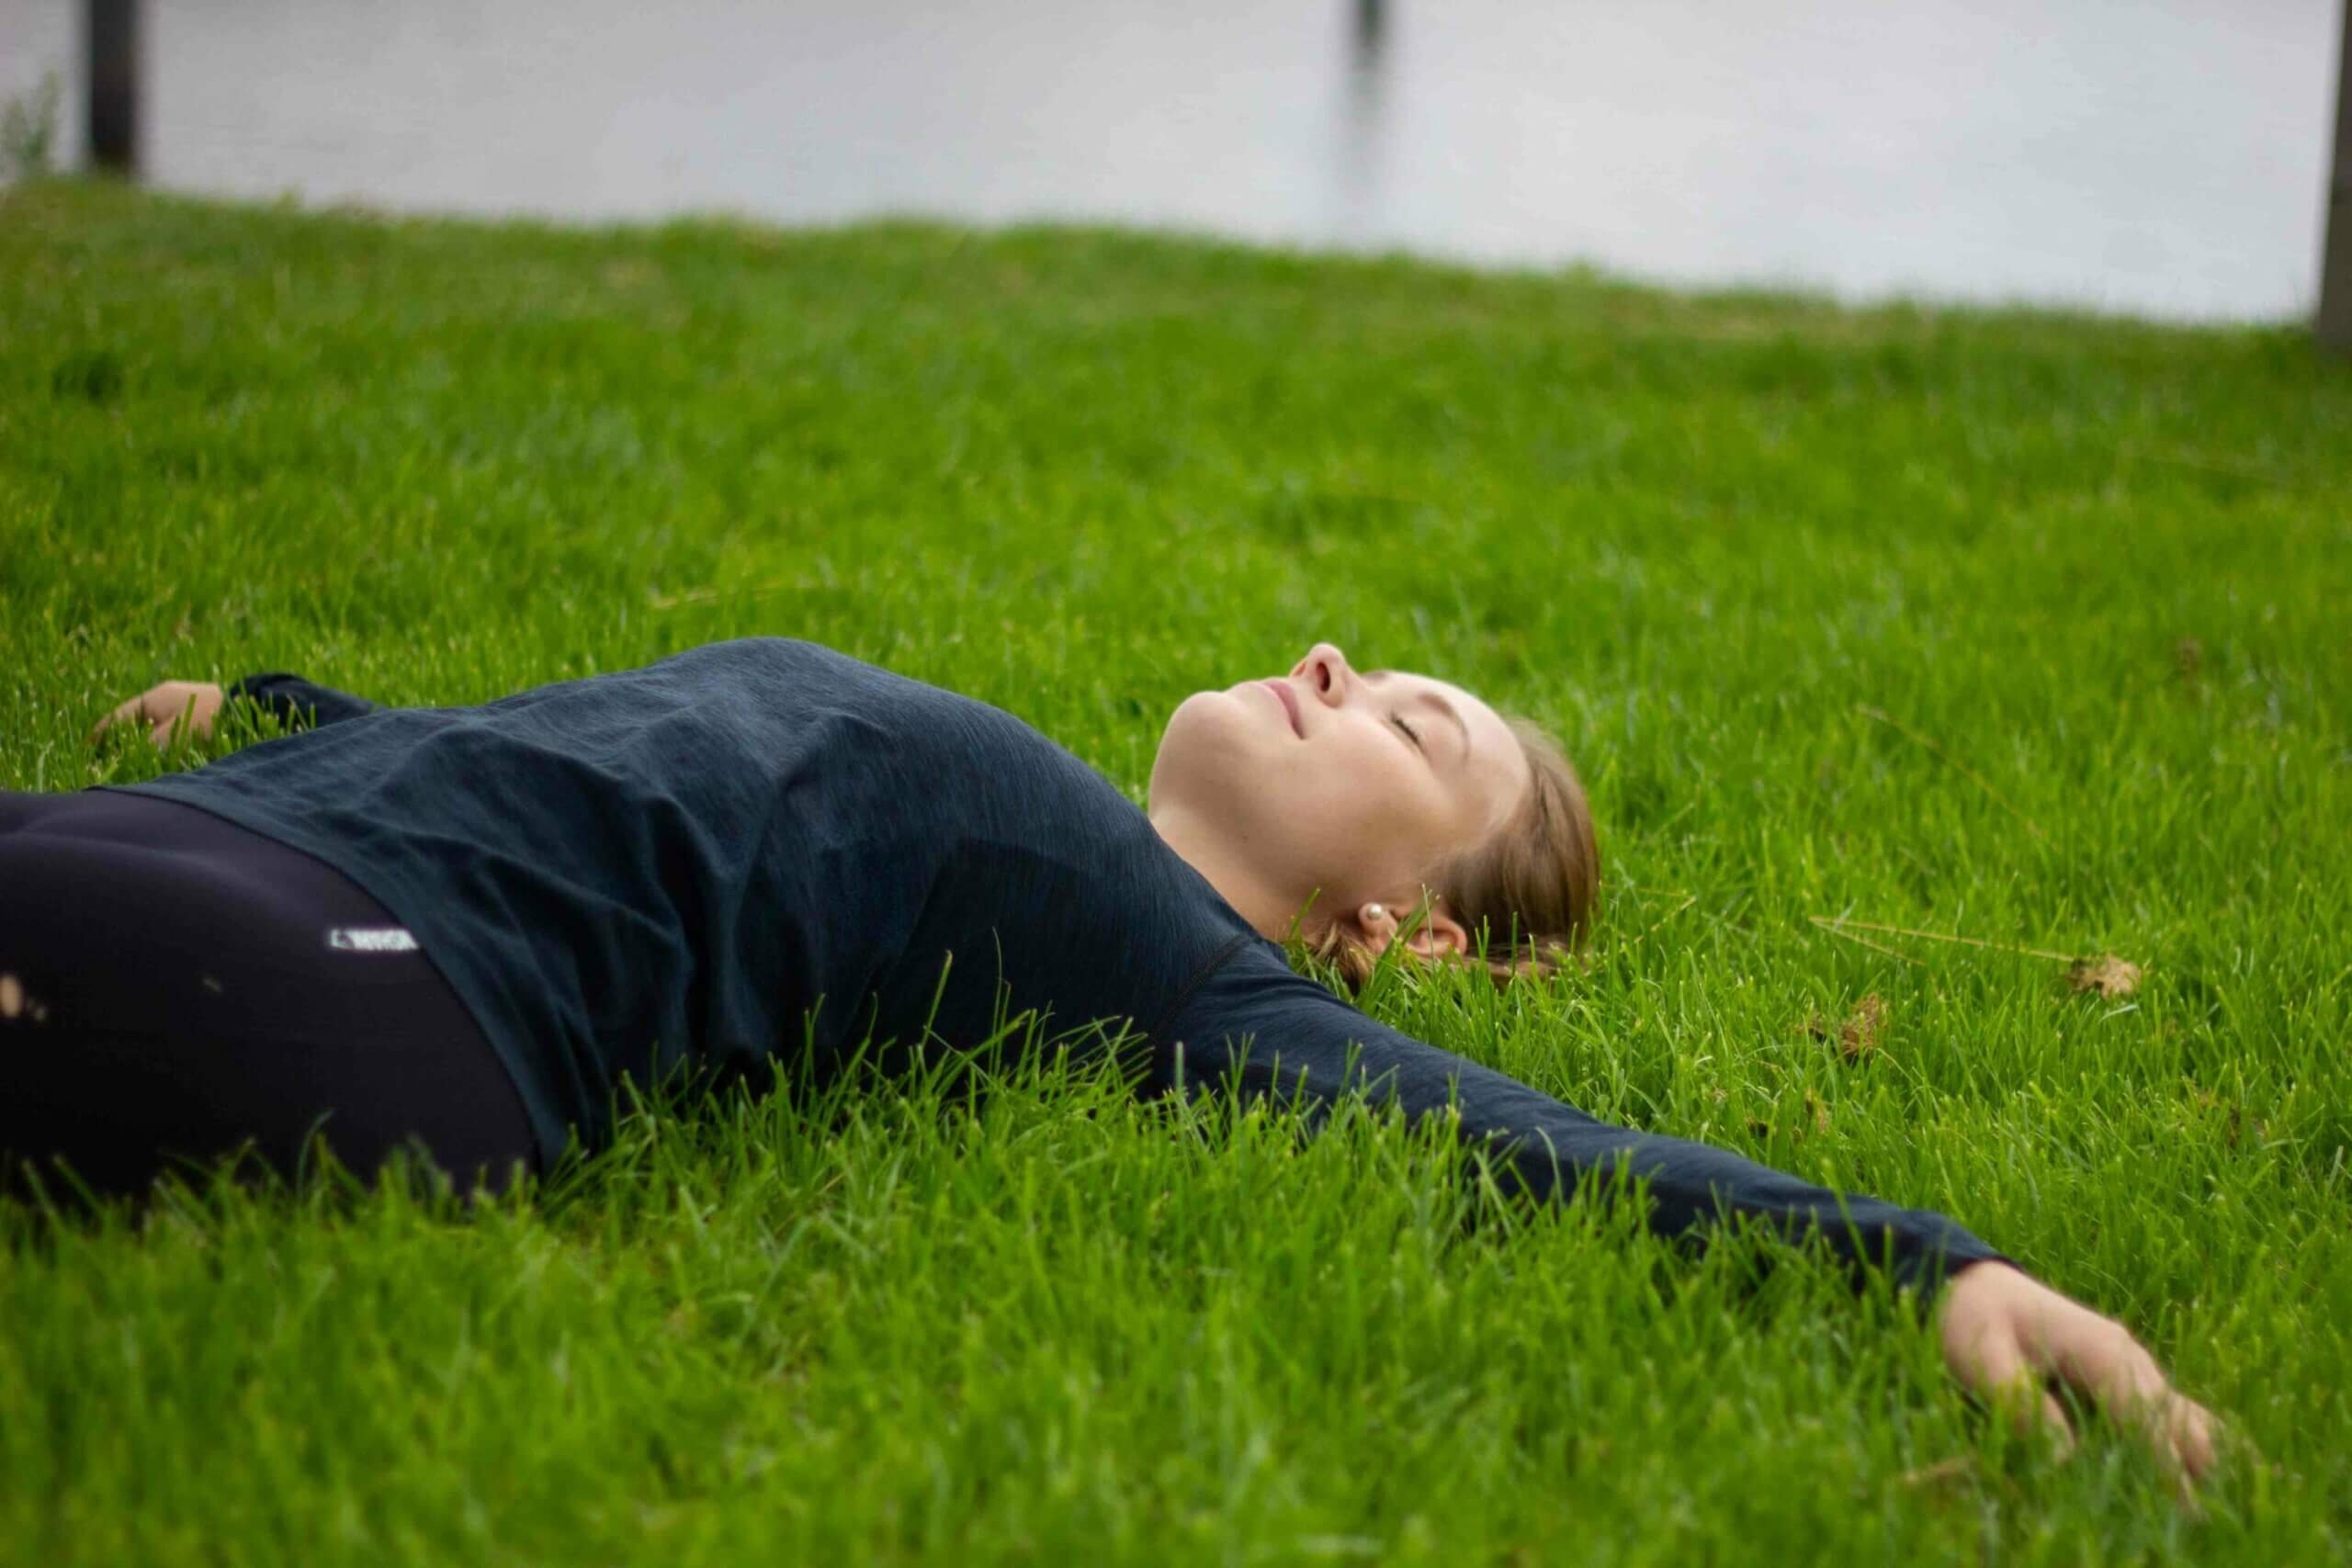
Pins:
x: 548, y: 1131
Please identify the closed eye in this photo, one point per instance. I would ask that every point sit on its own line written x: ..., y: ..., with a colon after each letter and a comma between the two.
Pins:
x: 1410, y: 733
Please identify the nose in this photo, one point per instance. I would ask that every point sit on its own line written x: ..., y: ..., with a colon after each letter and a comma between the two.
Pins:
x: 1327, y: 672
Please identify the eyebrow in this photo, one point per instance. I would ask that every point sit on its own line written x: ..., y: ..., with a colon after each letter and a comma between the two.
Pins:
x: 1374, y: 677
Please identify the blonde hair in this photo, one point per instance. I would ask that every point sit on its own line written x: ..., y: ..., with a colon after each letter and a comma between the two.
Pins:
x: 1533, y: 887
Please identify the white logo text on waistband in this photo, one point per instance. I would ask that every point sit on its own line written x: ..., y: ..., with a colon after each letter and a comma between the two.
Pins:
x: 371, y: 939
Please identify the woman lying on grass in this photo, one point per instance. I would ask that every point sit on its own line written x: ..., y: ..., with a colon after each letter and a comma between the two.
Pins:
x: 464, y: 925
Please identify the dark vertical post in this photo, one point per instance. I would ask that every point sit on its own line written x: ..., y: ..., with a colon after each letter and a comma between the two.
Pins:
x: 2335, y: 266
x: 1360, y: 132
x: 114, y: 85
x: 1368, y: 42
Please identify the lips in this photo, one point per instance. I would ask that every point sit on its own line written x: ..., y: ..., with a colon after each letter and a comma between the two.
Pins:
x: 1289, y: 699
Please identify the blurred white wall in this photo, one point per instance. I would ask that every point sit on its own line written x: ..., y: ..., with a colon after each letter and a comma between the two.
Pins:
x: 2160, y: 156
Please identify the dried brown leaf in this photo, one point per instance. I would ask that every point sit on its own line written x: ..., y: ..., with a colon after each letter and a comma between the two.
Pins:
x: 1861, y: 1033
x: 1943, y: 1473
x: 2107, y: 975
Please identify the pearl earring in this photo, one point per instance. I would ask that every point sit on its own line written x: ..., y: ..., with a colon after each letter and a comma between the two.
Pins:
x: 1374, y: 912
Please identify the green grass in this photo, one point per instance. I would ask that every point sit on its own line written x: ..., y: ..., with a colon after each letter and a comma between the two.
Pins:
x: 2094, y: 574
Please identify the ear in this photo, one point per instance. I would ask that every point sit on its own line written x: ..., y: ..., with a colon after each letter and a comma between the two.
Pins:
x: 1439, y: 935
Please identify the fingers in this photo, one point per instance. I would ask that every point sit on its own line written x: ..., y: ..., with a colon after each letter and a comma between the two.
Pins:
x: 2177, y: 1427
x: 170, y: 719
x: 135, y: 708
x: 145, y: 708
x: 2192, y: 1430
x: 173, y: 708
x: 1994, y: 1365
x: 2187, y: 1436
x: 2100, y: 1357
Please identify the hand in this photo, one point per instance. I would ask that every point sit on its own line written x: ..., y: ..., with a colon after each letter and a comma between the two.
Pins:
x: 2005, y: 1332
x: 163, y: 706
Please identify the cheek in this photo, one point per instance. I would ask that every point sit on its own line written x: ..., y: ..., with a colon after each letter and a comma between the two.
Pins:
x: 1420, y: 821
x: 1358, y: 804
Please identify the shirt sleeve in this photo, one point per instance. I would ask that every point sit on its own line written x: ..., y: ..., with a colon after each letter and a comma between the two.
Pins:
x: 297, y: 703
x: 1286, y: 1037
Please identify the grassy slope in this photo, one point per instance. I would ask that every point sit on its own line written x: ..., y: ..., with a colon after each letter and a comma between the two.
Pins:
x: 2102, y: 567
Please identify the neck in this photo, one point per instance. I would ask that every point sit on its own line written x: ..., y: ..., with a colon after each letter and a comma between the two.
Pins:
x: 1268, y: 912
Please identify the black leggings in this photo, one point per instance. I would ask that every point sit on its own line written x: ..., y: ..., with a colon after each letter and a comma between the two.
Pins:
x: 173, y: 986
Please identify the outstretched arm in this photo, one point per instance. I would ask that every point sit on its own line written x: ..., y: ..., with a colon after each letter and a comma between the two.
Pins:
x: 195, y: 704
x: 1266, y: 1032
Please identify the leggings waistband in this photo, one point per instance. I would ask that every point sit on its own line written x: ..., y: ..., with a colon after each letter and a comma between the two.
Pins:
x: 174, y: 986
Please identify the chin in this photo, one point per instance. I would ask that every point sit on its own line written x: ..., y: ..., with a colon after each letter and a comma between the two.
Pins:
x: 1204, y: 748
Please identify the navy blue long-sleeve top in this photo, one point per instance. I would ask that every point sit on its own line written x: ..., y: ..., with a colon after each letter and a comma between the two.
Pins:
x: 763, y: 848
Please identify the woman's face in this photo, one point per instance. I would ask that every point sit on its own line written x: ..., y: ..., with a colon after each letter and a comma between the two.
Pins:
x: 1352, y: 784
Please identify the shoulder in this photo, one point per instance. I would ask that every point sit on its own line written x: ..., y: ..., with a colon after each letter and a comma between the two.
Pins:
x: 1248, y: 982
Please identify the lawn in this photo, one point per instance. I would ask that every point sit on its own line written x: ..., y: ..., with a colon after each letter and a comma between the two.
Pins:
x: 2020, y: 627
